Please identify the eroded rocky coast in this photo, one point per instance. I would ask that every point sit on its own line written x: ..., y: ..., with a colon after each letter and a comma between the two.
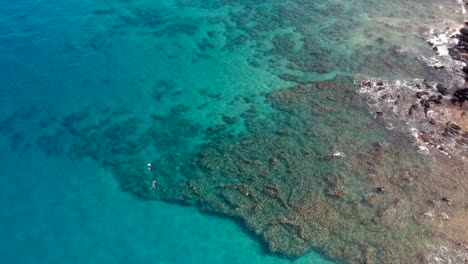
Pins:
x: 434, y: 110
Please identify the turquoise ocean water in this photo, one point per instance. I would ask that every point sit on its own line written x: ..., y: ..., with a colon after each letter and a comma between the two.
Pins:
x: 116, y: 60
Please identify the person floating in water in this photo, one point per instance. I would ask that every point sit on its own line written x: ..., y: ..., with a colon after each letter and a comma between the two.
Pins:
x: 153, y: 185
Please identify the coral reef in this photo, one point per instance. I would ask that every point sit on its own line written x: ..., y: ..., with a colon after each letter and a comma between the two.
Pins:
x: 283, y: 181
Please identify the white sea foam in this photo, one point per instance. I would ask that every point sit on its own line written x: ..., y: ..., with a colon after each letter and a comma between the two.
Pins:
x: 443, y: 39
x: 463, y: 9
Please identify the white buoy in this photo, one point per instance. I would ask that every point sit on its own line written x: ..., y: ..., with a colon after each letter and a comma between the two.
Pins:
x: 149, y: 166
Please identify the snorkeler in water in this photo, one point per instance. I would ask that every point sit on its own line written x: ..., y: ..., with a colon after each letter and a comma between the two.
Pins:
x: 153, y: 185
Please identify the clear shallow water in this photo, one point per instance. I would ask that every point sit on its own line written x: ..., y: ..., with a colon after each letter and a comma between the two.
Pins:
x: 62, y: 211
x: 58, y: 211
x: 120, y: 60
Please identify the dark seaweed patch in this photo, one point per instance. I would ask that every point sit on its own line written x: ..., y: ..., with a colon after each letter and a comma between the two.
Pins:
x: 107, y: 11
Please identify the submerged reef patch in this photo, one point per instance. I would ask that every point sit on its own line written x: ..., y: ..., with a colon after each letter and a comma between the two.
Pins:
x: 315, y: 173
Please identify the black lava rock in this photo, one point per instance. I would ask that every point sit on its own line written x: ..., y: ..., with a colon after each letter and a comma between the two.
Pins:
x: 461, y: 95
x: 420, y: 95
x: 451, y: 129
x: 441, y: 89
x: 464, y: 31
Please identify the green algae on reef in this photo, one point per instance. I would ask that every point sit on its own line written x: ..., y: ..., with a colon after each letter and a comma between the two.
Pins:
x: 276, y: 179
x: 270, y: 171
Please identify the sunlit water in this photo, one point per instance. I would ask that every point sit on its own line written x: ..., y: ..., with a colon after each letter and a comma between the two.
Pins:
x: 206, y: 63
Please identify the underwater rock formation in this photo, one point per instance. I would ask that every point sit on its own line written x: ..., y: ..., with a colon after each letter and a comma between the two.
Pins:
x: 276, y: 181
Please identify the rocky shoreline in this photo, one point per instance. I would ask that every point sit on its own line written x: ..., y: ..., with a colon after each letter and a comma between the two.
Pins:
x: 435, y: 110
